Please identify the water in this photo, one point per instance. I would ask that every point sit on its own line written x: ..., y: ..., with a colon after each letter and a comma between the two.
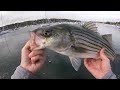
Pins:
x: 56, y: 66
x: 111, y: 29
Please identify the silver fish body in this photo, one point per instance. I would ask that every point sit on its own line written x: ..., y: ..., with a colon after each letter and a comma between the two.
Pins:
x: 74, y: 41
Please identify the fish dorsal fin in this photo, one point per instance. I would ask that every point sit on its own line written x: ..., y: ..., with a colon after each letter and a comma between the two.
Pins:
x: 90, y: 26
x: 108, y: 37
x: 76, y: 62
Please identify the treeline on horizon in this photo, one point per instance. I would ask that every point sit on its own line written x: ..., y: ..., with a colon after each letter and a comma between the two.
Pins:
x: 44, y: 21
x: 35, y: 22
x: 113, y: 23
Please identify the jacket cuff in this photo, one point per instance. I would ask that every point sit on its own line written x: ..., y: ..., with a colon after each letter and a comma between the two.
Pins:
x: 21, y: 73
x: 109, y: 75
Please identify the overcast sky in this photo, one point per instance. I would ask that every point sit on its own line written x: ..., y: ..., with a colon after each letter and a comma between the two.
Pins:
x: 9, y: 17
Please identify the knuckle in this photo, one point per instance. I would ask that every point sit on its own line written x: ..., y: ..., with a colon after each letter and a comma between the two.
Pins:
x: 33, y: 52
x: 33, y: 58
x: 38, y: 56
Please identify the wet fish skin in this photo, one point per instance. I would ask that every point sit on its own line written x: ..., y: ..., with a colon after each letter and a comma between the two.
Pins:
x: 73, y: 41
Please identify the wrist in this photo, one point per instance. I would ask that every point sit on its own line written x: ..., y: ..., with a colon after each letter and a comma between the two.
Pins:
x: 22, y: 73
x: 109, y: 75
x: 25, y: 68
x: 102, y: 74
x: 28, y: 68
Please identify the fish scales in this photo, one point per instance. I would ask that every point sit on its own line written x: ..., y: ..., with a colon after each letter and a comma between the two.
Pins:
x: 75, y: 41
x: 79, y: 35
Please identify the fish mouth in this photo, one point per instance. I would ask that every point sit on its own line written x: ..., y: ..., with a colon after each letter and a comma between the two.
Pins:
x: 39, y: 41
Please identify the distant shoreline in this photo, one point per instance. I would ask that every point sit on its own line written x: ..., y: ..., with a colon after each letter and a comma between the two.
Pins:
x: 45, y: 21
x: 34, y: 22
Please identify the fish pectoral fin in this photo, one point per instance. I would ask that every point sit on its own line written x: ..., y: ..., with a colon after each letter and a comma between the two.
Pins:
x: 76, y: 62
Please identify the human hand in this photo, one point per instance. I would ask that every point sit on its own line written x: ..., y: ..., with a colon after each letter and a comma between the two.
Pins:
x: 32, y: 60
x: 98, y: 68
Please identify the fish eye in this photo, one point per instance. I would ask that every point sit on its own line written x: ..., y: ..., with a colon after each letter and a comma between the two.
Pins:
x: 47, y: 33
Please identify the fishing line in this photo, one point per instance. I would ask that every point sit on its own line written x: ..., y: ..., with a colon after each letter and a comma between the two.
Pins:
x: 4, y: 35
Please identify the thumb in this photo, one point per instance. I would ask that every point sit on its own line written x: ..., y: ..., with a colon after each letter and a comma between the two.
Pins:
x: 102, y: 55
x: 33, y: 44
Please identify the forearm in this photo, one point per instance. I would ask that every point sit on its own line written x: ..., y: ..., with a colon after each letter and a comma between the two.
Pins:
x: 110, y: 75
x: 21, y: 73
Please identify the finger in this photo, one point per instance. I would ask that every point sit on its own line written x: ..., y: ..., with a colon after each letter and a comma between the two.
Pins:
x: 102, y: 55
x: 33, y: 44
x: 27, y: 46
x: 37, y: 59
x: 36, y: 52
x: 42, y: 59
x: 32, y: 35
x: 87, y: 62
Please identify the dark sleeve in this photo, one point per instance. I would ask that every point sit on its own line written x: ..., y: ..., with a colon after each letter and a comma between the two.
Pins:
x: 21, y: 73
x: 110, y: 75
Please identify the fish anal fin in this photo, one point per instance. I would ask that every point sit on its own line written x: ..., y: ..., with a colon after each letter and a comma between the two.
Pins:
x: 76, y: 62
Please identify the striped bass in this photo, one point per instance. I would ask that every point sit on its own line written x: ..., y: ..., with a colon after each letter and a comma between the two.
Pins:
x: 74, y: 41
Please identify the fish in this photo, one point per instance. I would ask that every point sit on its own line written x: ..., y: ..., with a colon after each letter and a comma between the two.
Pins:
x: 75, y: 41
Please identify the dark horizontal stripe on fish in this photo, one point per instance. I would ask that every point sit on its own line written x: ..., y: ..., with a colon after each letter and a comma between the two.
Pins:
x: 87, y: 42
x: 99, y: 38
x: 90, y: 48
x: 86, y: 47
x: 90, y: 34
x: 93, y: 43
x: 100, y: 46
x: 93, y: 39
x: 76, y: 48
